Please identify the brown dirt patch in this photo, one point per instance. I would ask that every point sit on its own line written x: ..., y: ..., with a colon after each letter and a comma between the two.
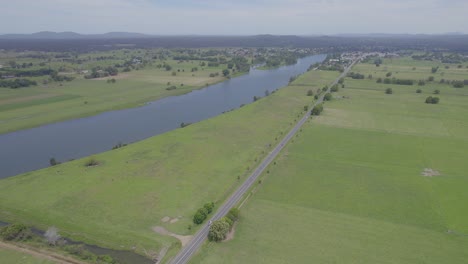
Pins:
x: 231, y: 233
x: 165, y: 219
x: 162, y: 231
x: 428, y: 172
x: 174, y: 220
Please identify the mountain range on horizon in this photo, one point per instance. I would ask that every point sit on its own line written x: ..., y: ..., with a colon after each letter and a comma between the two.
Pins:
x: 124, y: 35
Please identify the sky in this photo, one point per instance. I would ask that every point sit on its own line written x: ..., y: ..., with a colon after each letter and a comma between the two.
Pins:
x: 240, y: 17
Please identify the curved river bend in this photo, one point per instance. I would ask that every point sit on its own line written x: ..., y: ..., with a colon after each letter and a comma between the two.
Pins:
x: 31, y: 149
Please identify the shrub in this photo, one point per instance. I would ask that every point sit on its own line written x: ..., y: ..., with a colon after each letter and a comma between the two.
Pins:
x: 310, y: 93
x: 421, y: 83
x: 389, y: 91
x: 233, y: 214
x: 432, y: 100
x: 327, y: 97
x: 458, y: 84
x: 334, y: 88
x: 91, y: 162
x: 17, y: 232
x: 418, y: 91
x: 436, y: 92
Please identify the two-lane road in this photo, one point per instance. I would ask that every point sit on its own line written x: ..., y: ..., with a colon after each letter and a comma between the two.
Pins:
x: 186, y: 252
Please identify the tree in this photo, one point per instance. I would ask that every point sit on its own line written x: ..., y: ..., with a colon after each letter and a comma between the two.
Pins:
x: 317, y: 110
x: 199, y: 217
x: 334, y: 88
x: 418, y: 91
x: 327, y: 97
x: 388, y: 91
x: 53, y: 162
x: 310, y: 92
x: 421, y: 83
x: 388, y: 74
x: 218, y: 230
x: 226, y: 72
x: 209, y: 207
x: 52, y: 235
x: 430, y: 79
x: 436, y: 91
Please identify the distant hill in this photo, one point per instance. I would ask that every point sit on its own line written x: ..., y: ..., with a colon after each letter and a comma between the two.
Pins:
x: 73, y: 35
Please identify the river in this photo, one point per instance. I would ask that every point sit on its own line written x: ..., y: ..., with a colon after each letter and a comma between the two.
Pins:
x: 27, y: 150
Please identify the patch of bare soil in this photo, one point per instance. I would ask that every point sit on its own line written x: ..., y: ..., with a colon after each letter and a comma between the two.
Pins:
x: 41, y: 254
x: 174, y: 220
x: 165, y: 219
x: 427, y: 172
x: 162, y: 231
x: 230, y: 235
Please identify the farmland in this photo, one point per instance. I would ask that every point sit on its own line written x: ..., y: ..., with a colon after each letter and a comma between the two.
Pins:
x: 377, y: 178
x: 11, y: 256
x: 116, y: 203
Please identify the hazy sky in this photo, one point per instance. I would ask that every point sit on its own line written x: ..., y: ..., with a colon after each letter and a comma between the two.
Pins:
x: 241, y: 17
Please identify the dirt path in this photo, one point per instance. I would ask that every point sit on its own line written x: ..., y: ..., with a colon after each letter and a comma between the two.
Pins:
x: 183, y: 239
x: 41, y: 253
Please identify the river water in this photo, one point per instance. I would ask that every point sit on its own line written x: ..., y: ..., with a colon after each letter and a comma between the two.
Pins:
x: 26, y: 150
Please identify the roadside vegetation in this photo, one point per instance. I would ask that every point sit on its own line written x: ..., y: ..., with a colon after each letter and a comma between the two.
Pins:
x: 383, y: 172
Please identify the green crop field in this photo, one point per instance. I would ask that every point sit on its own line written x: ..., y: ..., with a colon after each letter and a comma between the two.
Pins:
x: 42, y: 104
x: 116, y: 203
x: 8, y: 256
x: 377, y: 178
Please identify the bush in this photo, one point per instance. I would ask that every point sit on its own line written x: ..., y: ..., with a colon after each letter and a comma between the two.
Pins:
x: 432, y: 100
x: 17, y: 232
x: 327, y: 97
x: 91, y: 162
x: 421, y: 83
x: 199, y: 217
x: 233, y: 214
x: 458, y: 84
x: 436, y: 91
x: 389, y: 91
x: 334, y: 88
x: 418, y: 91
x: 310, y: 93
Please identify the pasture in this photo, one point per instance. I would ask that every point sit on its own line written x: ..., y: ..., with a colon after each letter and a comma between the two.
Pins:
x: 377, y: 178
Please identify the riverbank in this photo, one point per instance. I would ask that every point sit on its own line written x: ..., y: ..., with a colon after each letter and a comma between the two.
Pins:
x: 35, y: 106
x: 87, y: 136
x: 116, y: 203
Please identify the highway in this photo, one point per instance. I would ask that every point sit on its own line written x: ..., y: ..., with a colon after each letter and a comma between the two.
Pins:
x: 186, y: 252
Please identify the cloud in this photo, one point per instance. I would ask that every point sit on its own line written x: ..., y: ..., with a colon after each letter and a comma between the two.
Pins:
x: 235, y: 18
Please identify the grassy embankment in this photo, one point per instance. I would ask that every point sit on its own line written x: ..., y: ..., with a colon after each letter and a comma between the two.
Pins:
x: 117, y: 203
x: 350, y: 188
x: 11, y: 256
x: 34, y: 106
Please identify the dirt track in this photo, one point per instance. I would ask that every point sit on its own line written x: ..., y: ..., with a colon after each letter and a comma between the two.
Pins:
x: 43, y: 254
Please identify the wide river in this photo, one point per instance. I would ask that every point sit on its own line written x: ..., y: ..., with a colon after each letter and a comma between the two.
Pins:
x: 26, y: 150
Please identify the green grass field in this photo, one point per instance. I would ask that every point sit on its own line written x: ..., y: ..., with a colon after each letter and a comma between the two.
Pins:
x: 117, y: 203
x: 13, y: 257
x: 350, y: 188
x: 35, y: 106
